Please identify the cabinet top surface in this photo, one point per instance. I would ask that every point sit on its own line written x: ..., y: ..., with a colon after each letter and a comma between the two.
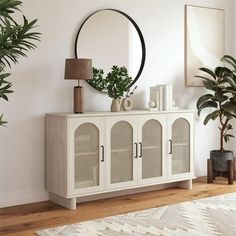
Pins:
x: 121, y: 113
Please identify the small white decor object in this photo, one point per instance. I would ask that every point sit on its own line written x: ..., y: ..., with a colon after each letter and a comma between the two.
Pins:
x: 162, y: 96
x: 161, y: 91
x: 167, y: 101
x: 154, y: 97
x: 151, y: 104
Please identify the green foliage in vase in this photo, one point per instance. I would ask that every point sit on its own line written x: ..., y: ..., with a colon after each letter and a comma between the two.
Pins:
x: 98, y: 81
x: 114, y: 84
x: 15, y: 40
x: 221, y: 84
x: 117, y: 82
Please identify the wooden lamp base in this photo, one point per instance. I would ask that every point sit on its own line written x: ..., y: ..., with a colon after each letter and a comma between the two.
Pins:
x: 78, y: 99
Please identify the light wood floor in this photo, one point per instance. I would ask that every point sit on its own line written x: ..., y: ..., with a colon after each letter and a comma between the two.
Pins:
x: 26, y: 219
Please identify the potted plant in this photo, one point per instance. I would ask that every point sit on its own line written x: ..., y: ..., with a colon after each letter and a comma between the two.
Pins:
x: 114, y: 84
x: 220, y: 97
x: 15, y: 40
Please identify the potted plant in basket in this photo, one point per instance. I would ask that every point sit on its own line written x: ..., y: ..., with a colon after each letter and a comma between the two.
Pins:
x: 221, y: 97
x: 114, y: 84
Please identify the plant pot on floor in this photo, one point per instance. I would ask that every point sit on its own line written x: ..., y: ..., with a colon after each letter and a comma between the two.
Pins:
x: 220, y: 159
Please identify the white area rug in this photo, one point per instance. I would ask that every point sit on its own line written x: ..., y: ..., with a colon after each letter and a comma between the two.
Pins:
x: 205, y: 217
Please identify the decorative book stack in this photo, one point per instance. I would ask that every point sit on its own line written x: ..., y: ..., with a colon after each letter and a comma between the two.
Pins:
x: 161, y: 95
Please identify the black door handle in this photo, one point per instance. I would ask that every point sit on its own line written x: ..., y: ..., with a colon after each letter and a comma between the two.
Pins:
x: 103, y: 158
x: 141, y: 149
x: 171, y: 148
x: 136, y: 150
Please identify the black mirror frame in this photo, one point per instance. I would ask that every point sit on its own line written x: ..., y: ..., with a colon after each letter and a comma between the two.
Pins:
x: 140, y: 36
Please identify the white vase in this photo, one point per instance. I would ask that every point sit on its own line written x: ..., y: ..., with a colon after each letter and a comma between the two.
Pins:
x: 116, y: 104
x: 127, y: 104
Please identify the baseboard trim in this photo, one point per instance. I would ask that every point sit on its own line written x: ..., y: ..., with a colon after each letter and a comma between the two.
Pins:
x: 23, y: 197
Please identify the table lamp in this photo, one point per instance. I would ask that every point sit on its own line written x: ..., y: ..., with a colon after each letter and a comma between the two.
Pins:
x: 78, y: 69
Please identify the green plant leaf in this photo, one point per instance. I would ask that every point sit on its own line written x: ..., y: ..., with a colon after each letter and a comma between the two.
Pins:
x: 203, y: 98
x: 211, y: 116
x: 2, y: 122
x: 219, y: 96
x: 209, y: 85
x: 219, y: 70
x: 207, y: 104
x: 228, y: 115
x: 227, y: 137
x: 208, y: 71
x: 230, y: 80
x: 3, y: 76
x: 233, y: 99
x: 15, y: 40
x: 230, y: 107
x: 4, y: 86
x: 205, y: 78
x: 230, y: 60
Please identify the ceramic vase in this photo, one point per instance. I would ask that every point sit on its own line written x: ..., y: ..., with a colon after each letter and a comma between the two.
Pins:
x: 116, y: 104
x: 127, y: 104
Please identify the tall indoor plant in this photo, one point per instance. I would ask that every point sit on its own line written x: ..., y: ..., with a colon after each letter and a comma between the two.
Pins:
x: 15, y: 40
x: 221, y: 97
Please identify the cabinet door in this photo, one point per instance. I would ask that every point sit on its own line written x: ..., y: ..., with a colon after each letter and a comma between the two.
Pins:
x: 152, y: 133
x: 86, y: 138
x: 180, y: 145
x: 121, y: 151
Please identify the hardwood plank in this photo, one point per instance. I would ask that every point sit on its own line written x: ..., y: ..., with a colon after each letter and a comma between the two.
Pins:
x: 27, y: 219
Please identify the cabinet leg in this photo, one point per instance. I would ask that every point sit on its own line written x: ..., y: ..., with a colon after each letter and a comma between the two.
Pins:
x: 67, y: 203
x: 230, y: 172
x: 187, y: 184
x: 210, y: 176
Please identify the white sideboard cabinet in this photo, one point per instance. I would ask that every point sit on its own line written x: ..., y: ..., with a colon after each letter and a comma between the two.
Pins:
x: 101, y: 154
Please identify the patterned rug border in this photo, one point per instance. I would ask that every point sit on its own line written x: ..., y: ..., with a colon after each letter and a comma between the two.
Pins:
x: 209, y: 216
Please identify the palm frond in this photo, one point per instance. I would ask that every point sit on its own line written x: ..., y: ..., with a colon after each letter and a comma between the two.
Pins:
x: 15, y: 41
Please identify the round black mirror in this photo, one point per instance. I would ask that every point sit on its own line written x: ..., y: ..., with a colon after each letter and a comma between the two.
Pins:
x: 111, y: 37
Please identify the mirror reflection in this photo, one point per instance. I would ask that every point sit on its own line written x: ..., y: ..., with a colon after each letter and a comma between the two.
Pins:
x: 110, y: 37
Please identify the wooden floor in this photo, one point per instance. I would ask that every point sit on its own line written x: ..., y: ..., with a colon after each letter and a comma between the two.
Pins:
x: 27, y: 219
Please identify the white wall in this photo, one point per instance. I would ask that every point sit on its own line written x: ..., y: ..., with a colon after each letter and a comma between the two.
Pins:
x: 40, y: 88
